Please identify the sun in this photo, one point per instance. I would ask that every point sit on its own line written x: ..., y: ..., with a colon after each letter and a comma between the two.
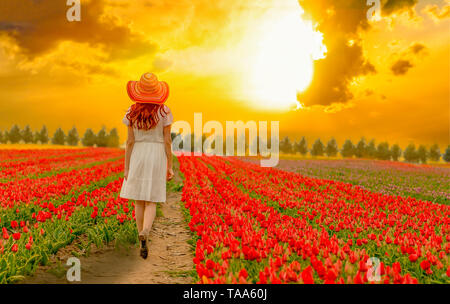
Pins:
x: 282, y: 65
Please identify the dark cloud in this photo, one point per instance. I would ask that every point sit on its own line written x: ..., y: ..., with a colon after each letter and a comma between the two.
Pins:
x: 341, y: 22
x: 391, y: 6
x: 38, y: 26
x: 14, y: 26
x: 401, y: 67
x: 333, y: 75
x: 417, y: 48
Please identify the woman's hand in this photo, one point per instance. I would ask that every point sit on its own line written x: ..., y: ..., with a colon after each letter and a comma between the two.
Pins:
x: 125, y: 174
x: 170, y: 173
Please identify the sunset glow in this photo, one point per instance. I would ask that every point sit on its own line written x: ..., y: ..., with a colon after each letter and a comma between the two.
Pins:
x: 385, y: 78
x: 283, y: 65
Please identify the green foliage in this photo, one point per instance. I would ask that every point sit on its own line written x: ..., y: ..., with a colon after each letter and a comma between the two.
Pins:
x: 383, y: 151
x: 434, y: 153
x: 410, y: 153
x: 72, y: 137
x: 301, y: 146
x: 27, y: 135
x: 102, y: 138
x: 422, y: 154
x: 286, y: 145
x: 3, y: 138
x: 396, y: 152
x: 332, y: 148
x: 360, y: 148
x: 43, y: 135
x: 317, y: 148
x: 89, y: 138
x: 446, y: 155
x: 14, y: 135
x: 371, y: 150
x: 113, y: 138
x: 6, y: 136
x: 348, y: 149
x: 35, y: 137
x: 59, y: 137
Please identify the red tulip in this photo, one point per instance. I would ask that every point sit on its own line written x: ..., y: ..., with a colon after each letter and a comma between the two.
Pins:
x: 14, y: 248
x: 413, y: 257
x: 425, y: 264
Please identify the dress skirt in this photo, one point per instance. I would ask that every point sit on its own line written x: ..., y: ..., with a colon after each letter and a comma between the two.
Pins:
x: 147, y: 173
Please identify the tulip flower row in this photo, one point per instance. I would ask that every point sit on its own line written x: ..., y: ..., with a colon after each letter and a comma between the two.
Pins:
x: 11, y: 155
x: 42, y: 229
x: 424, y: 182
x: 263, y: 225
x: 28, y: 190
x: 40, y: 216
x: 41, y: 165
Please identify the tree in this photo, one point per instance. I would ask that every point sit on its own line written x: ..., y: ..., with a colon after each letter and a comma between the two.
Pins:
x: 3, y: 139
x: 43, y: 135
x: 72, y: 137
x: 410, y: 154
x: 446, y: 155
x: 301, y: 146
x: 286, y: 145
x: 35, y: 137
x: 332, y: 148
x: 383, y: 151
x: 6, y: 136
x: 58, y: 137
x: 14, y: 135
x: 360, y: 148
x: 102, y: 138
x: 27, y: 134
x: 396, y: 152
x: 348, y: 149
x: 434, y: 153
x: 371, y: 151
x: 113, y: 138
x: 422, y: 154
x: 89, y: 138
x: 317, y: 148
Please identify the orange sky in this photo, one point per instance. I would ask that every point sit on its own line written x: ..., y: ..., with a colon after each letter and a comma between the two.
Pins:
x: 387, y: 79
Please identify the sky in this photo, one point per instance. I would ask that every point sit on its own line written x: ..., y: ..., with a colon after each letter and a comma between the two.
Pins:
x: 322, y: 68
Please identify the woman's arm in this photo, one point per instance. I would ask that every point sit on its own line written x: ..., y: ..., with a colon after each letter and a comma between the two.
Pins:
x: 168, y: 148
x: 128, y: 149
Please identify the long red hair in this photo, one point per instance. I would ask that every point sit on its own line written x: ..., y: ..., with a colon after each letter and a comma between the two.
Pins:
x: 145, y: 115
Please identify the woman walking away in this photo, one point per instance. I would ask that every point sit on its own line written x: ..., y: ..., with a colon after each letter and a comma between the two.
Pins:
x: 148, y: 152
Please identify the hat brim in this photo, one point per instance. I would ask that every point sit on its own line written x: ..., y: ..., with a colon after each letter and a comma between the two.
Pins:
x: 138, y: 96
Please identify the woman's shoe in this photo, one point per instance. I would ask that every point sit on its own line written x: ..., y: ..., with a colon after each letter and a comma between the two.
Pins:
x: 144, y: 248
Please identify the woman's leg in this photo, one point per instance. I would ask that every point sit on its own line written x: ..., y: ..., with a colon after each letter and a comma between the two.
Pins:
x: 149, y: 217
x: 139, y: 208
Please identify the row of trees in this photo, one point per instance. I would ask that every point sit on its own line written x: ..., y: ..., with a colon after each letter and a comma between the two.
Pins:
x: 362, y: 149
x: 366, y: 150
x: 89, y: 139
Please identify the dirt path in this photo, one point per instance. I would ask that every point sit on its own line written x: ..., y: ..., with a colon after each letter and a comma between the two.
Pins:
x: 169, y: 260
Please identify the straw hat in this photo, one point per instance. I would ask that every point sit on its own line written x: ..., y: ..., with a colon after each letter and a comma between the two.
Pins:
x: 148, y: 89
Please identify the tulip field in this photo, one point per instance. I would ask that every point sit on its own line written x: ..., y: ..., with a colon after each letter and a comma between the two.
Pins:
x: 263, y: 225
x: 425, y: 182
x: 48, y: 198
x: 249, y: 224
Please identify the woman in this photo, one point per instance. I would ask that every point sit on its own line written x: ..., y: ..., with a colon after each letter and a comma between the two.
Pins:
x: 148, y: 152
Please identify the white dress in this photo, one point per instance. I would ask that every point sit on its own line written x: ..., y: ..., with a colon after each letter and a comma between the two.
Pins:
x: 148, y: 163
